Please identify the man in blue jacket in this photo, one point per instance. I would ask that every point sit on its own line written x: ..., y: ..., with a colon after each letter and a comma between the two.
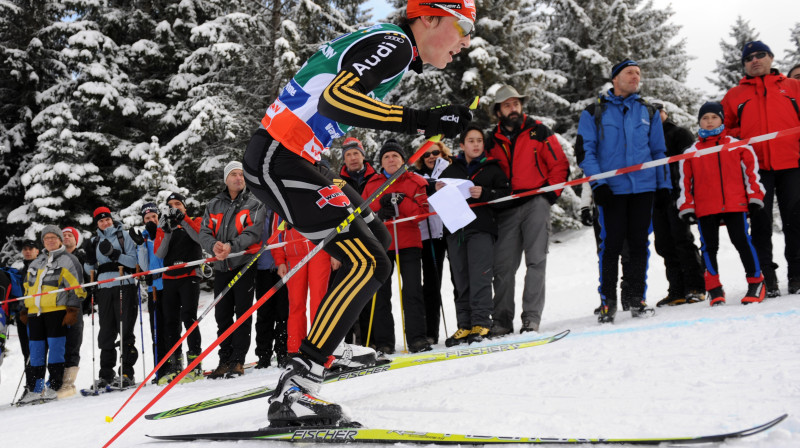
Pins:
x: 621, y: 129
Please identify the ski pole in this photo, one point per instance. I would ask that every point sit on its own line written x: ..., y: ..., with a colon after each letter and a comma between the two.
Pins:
x: 154, y: 311
x: 121, y: 333
x: 371, y: 316
x: 189, y: 331
x: 141, y: 325
x: 436, y: 271
x: 400, y: 288
x: 94, y: 363
x: 24, y: 371
x: 345, y: 224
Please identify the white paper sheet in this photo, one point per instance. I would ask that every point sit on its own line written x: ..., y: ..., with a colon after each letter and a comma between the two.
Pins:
x: 452, y: 207
x: 462, y: 184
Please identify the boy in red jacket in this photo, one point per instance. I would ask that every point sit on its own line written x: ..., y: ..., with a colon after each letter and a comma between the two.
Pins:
x: 718, y: 187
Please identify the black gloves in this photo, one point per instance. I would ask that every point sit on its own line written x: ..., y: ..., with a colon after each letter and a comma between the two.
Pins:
x: 689, y: 218
x: 662, y: 198
x: 136, y: 236
x: 754, y: 207
x: 551, y: 197
x: 392, y: 199
x: 448, y: 119
x: 602, y: 195
x: 389, y: 204
x: 152, y: 229
x: 586, y: 217
x: 174, y: 217
x: 108, y: 250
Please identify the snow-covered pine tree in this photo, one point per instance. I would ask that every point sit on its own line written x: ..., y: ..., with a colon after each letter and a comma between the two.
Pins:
x: 729, y: 67
x: 28, y: 67
x: 792, y: 53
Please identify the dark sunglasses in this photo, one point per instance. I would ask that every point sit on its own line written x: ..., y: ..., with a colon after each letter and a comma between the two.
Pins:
x: 757, y: 55
x: 435, y: 152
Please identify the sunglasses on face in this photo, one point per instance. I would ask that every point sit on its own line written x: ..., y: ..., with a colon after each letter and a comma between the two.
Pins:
x: 465, y: 26
x: 435, y: 152
x: 757, y: 55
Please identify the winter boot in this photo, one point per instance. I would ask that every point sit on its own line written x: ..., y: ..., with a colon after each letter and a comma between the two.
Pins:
x: 717, y: 296
x: 263, y: 362
x: 419, y: 345
x: 220, y: 371
x: 294, y: 401
x: 755, y: 293
x: 639, y: 308
x: 459, y: 337
x: 771, y: 281
x: 794, y: 286
x: 497, y: 331
x: 695, y: 296
x: 347, y: 356
x: 671, y: 300
x: 68, y: 384
x: 527, y: 326
x: 477, y: 334
x: 235, y: 369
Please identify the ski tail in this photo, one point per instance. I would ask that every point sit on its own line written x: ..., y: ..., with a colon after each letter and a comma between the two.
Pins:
x: 384, y: 436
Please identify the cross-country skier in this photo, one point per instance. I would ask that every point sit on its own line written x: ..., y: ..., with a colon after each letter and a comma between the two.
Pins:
x: 339, y: 87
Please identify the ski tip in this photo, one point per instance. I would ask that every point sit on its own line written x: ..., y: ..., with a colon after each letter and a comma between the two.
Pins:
x: 475, y: 102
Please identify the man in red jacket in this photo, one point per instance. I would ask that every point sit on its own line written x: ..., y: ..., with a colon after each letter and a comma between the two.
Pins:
x: 531, y: 157
x: 766, y: 101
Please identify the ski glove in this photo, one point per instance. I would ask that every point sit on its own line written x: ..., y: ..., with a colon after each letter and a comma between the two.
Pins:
x: 152, y: 229
x: 449, y: 120
x: 392, y: 199
x: 108, y: 250
x: 136, y: 236
x: 602, y: 195
x: 71, y: 318
x: 389, y: 204
x: 586, y: 217
x: 689, y: 218
x: 175, y: 217
x: 754, y: 207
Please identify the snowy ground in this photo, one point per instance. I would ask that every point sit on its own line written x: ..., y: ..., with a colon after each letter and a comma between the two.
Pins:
x: 688, y: 371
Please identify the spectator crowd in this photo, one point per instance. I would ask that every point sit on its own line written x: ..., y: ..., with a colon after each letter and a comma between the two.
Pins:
x: 735, y: 187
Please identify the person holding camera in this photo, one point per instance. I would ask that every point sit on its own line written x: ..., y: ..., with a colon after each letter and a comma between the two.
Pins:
x: 177, y: 242
x: 406, y: 197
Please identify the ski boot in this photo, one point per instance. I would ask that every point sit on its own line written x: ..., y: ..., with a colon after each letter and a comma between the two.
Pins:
x: 606, y: 314
x: 477, y: 334
x: 459, y: 337
x: 771, y: 281
x: 717, y: 296
x: 755, y: 293
x: 639, y: 308
x: 671, y: 300
x: 195, y: 374
x: 294, y: 401
x: 348, y: 356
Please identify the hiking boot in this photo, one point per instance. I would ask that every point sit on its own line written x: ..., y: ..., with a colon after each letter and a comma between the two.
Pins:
x: 235, y: 369
x: 459, y: 337
x: 671, y: 300
x: 348, y: 356
x: 294, y: 401
x: 477, y: 334
x: 419, y: 345
x: 220, y: 371
x: 497, y: 331
x: 639, y: 308
x: 527, y: 326
x: 717, y: 296
x: 755, y: 293
x: 695, y: 296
